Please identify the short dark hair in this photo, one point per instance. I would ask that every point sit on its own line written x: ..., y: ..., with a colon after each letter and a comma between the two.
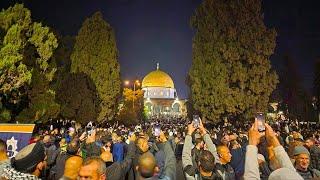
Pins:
x: 198, y: 141
x: 3, y: 146
x: 73, y: 147
x: 206, y: 160
x: 94, y: 159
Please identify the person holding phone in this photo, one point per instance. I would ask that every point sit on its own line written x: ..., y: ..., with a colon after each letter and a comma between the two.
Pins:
x: 286, y: 171
x: 204, y: 168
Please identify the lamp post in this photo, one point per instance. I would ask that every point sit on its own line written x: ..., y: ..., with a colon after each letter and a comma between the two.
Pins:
x: 136, y: 82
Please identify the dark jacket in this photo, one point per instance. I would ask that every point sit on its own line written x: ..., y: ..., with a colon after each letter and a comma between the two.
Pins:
x: 57, y: 170
x: 132, y: 175
x: 91, y: 149
x: 238, y: 160
x: 169, y: 170
x: 118, y: 170
x: 225, y: 171
x: 264, y: 171
x: 309, y: 174
x: 315, y: 157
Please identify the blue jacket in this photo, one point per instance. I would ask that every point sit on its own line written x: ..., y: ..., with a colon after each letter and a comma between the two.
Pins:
x: 118, y: 152
x: 238, y: 160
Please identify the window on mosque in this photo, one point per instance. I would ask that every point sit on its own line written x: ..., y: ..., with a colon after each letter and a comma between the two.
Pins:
x: 176, y: 107
x: 154, y: 93
x: 161, y: 93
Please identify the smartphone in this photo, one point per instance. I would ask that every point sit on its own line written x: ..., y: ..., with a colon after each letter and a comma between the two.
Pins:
x: 130, y: 133
x: 261, y: 120
x: 157, y: 130
x: 196, y: 121
x: 89, y: 128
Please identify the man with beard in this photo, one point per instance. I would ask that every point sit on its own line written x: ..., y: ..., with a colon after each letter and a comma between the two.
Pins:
x: 302, y: 162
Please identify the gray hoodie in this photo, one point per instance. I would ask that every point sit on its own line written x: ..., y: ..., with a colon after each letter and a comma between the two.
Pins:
x: 186, y: 153
x: 287, y: 171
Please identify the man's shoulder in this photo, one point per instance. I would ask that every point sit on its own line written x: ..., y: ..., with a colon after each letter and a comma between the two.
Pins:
x: 315, y: 172
x: 315, y: 149
x: 11, y: 173
x: 114, y: 171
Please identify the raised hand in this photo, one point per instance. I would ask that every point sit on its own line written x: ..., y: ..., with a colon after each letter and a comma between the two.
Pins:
x: 254, y: 134
x: 271, y: 136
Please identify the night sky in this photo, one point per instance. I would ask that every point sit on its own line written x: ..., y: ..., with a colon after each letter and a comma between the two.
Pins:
x: 151, y: 31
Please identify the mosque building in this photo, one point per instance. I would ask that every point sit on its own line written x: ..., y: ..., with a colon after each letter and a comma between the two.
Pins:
x: 160, y: 96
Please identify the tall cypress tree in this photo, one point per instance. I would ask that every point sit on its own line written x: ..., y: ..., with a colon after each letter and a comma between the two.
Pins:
x: 231, y: 73
x: 95, y: 54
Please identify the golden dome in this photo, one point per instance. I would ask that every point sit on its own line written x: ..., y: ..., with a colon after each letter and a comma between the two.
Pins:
x: 157, y: 78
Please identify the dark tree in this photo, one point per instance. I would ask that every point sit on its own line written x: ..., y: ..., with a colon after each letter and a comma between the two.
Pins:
x: 294, y: 95
x: 78, y: 98
x: 26, y: 48
x: 231, y: 73
x: 95, y: 54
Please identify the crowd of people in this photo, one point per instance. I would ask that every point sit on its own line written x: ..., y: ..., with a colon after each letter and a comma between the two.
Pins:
x: 169, y: 149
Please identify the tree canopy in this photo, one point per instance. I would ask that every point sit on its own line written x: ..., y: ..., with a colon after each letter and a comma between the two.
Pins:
x: 95, y: 54
x: 132, y: 109
x: 20, y: 35
x: 78, y: 97
x: 231, y: 73
x: 26, y: 48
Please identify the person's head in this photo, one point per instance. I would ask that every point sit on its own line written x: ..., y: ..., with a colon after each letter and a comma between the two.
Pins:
x: 46, y: 139
x: 109, y: 143
x: 234, y: 144
x: 119, y: 139
x: 142, y: 143
x: 199, y: 143
x: 31, y: 159
x: 225, y: 140
x: 71, y: 131
x: 224, y: 154
x: 302, y: 158
x: 55, y: 131
x: 62, y: 142
x: 106, y: 156
x: 72, y: 167
x: 309, y: 142
x: 73, y: 147
x: 297, y: 137
x: 147, y: 165
x: 3, y: 150
x: 93, y: 168
x: 206, y: 162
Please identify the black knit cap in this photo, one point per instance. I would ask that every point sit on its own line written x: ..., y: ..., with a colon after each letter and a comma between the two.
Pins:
x: 28, y: 157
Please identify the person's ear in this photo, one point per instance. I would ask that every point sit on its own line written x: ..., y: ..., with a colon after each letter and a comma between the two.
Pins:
x: 156, y: 170
x: 137, y: 168
x: 40, y: 166
x: 103, y: 177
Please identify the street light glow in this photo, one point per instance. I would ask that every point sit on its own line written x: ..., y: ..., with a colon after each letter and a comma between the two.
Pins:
x: 126, y: 82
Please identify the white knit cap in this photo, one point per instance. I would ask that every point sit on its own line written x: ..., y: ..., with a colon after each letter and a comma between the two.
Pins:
x: 285, y: 174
